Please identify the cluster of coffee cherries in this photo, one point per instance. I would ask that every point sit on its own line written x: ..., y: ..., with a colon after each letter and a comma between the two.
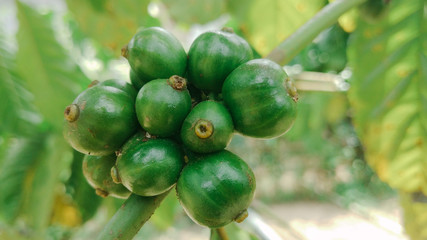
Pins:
x: 170, y: 126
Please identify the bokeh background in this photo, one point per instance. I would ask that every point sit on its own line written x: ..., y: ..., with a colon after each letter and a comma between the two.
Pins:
x: 352, y: 167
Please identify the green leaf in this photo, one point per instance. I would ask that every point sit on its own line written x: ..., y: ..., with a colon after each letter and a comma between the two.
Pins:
x: 266, y: 23
x: 195, y: 11
x: 80, y: 41
x: 29, y: 177
x: 18, y: 114
x: 52, y: 77
x: 415, y: 214
x: 164, y: 216
x: 317, y: 112
x: 43, y: 185
x: 21, y: 156
x: 233, y: 231
x: 111, y: 23
x: 389, y: 94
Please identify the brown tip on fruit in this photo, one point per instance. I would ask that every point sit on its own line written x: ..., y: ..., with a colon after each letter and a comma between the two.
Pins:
x: 291, y: 88
x: 186, y: 159
x: 227, y: 29
x: 203, y: 128
x: 125, y: 51
x: 242, y: 216
x: 72, y: 112
x: 118, y: 153
x: 115, y: 175
x: 101, y: 192
x: 93, y: 83
x: 177, y: 82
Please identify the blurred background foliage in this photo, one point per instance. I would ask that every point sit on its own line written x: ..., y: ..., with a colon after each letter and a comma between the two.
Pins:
x: 51, y: 50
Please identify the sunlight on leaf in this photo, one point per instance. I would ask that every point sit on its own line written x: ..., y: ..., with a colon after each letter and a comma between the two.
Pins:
x: 389, y: 92
x: 111, y: 23
x: 415, y: 214
x: 18, y: 114
x: 195, y: 11
x: 266, y: 23
x: 50, y: 74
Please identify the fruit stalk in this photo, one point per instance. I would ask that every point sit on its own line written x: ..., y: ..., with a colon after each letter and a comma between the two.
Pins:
x: 292, y: 45
x: 222, y: 233
x: 219, y: 234
x: 131, y: 216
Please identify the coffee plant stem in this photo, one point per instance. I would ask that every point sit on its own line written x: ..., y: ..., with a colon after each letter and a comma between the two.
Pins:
x: 222, y: 233
x: 131, y: 216
x: 303, y: 36
x: 319, y: 81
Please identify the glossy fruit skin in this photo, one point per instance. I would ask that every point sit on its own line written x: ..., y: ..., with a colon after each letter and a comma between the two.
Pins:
x: 155, y: 53
x: 214, y: 55
x: 149, y: 167
x: 258, y: 100
x: 97, y: 172
x: 222, y: 127
x: 136, y: 81
x: 105, y: 121
x: 120, y: 84
x: 161, y: 109
x: 216, y: 189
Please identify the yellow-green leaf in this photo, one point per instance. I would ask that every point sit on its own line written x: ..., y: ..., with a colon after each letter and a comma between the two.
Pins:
x: 111, y: 23
x: 195, y: 11
x: 266, y: 23
x: 389, y: 94
x: 415, y: 214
